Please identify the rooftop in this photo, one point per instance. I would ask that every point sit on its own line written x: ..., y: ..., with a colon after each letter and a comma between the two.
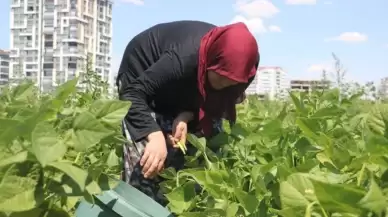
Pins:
x: 270, y: 67
x: 4, y: 51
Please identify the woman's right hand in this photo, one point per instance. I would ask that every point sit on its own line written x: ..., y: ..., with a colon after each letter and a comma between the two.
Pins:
x: 155, y: 154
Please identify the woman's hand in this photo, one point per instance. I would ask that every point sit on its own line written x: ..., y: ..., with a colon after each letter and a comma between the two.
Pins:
x: 155, y: 154
x: 179, y: 129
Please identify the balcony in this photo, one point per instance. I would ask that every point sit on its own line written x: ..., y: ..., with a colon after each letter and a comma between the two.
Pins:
x: 48, y: 29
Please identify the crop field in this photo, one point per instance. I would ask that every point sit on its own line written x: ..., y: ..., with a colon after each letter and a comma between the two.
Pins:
x: 316, y: 154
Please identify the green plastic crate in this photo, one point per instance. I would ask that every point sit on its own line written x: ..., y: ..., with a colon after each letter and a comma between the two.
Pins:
x: 122, y: 201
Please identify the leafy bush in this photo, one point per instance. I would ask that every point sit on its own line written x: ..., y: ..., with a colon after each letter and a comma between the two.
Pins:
x: 56, y: 149
x: 316, y: 155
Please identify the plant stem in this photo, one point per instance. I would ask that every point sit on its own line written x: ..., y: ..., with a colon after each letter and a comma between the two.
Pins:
x: 360, y: 175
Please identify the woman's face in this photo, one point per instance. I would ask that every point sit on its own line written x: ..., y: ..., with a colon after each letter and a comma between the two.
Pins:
x: 219, y: 82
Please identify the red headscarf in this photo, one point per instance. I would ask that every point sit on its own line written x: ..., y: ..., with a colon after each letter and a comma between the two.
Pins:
x: 230, y: 51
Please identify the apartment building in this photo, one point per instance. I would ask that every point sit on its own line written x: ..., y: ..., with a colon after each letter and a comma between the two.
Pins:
x: 4, y: 67
x: 270, y: 82
x: 51, y: 40
x: 308, y: 85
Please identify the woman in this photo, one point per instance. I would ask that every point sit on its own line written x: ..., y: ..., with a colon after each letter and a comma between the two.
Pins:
x: 181, y: 77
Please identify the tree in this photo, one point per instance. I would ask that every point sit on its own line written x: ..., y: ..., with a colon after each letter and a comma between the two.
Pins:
x: 91, y: 81
x: 340, y: 73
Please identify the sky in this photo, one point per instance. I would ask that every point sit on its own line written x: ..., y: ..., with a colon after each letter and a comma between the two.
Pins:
x: 297, y: 35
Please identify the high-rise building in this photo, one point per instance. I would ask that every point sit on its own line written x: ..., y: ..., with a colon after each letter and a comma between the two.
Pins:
x: 269, y: 81
x: 4, y: 67
x: 52, y: 39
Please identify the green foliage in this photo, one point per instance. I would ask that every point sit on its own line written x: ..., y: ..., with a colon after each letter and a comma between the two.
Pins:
x: 317, y: 155
x: 56, y: 148
x: 92, y: 84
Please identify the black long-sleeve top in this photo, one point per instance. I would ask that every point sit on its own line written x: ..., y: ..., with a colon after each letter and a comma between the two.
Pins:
x: 158, y: 73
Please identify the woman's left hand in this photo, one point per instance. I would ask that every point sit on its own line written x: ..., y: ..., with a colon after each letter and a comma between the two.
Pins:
x: 179, y: 129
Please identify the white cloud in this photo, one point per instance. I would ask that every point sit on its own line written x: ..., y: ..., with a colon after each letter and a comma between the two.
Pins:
x: 253, y: 13
x: 301, y: 2
x: 136, y: 2
x: 350, y: 37
x: 256, y: 8
x: 255, y: 25
x: 274, y: 28
x: 319, y: 67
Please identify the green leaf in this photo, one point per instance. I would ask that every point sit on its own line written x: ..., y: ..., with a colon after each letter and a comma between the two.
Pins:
x: 208, y: 213
x: 88, y: 131
x: 231, y: 210
x: 377, y: 119
x: 248, y: 201
x: 297, y: 191
x: 23, y: 91
x: 110, y: 112
x: 9, y: 129
x: 376, y: 144
x: 212, y: 181
x: 218, y: 141
x: 112, y: 159
x: 272, y: 130
x: 169, y: 173
x: 75, y: 173
x: 298, y: 104
x: 307, y: 127
x: 239, y: 131
x: 47, y: 146
x: 57, y: 212
x: 64, y: 90
x: 199, y: 143
x: 323, y: 159
x: 338, y: 197
x: 36, y: 212
x: 259, y: 170
x: 374, y: 199
x: 52, y: 105
x: 17, y: 194
x: 304, y: 146
x: 328, y: 112
x: 14, y: 159
x: 182, y: 198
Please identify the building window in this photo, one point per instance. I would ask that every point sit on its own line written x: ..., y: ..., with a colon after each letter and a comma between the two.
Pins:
x: 48, y: 44
x: 48, y: 73
x: 48, y: 65
x: 49, y: 59
x: 48, y: 36
x: 72, y: 65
